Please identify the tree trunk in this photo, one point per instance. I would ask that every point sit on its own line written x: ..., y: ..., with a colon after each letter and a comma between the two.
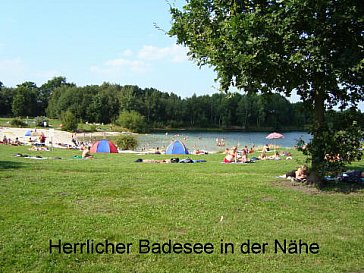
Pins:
x: 318, y: 129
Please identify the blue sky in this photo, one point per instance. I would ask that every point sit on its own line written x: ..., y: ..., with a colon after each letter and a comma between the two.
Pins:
x: 94, y: 41
x: 91, y: 42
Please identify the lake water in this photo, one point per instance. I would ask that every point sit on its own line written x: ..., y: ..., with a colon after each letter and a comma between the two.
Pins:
x: 207, y: 140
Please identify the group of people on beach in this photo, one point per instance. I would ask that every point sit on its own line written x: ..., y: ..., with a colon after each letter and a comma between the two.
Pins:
x: 17, y: 142
x: 231, y: 155
x: 9, y: 141
x: 235, y: 155
x: 220, y: 142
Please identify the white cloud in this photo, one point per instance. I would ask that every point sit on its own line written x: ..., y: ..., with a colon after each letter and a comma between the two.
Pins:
x: 133, y: 65
x: 127, y: 53
x: 120, y: 67
x: 172, y: 53
x: 139, y: 62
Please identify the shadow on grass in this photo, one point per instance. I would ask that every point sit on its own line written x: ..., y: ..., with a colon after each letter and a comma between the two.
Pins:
x: 342, y: 187
x: 4, y: 165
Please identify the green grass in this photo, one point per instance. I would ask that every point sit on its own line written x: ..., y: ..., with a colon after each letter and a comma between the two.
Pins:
x: 114, y: 198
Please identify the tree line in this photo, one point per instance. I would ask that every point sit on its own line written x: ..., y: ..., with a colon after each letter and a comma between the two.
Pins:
x: 104, y: 103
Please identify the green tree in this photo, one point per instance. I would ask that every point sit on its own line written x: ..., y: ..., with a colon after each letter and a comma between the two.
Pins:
x: 69, y: 121
x: 6, y: 100
x: 133, y: 121
x: 61, y: 99
x: 104, y: 107
x: 25, y: 100
x: 173, y: 110
x: 313, y: 47
x: 130, y: 98
x: 46, y: 90
x: 127, y: 142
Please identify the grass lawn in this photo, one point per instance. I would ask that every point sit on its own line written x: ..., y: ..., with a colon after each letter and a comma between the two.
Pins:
x: 112, y: 198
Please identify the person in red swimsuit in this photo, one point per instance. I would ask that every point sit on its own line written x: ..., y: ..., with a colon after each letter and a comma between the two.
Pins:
x: 231, y: 155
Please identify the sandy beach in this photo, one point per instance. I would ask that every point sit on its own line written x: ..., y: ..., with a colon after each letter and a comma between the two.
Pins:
x: 52, y: 135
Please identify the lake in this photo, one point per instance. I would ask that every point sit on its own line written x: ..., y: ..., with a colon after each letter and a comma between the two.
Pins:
x: 208, y: 140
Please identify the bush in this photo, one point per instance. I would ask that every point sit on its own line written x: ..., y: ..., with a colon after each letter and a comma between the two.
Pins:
x: 17, y: 122
x: 133, y: 121
x: 341, y: 147
x: 69, y: 121
x: 93, y: 128
x: 127, y: 142
x: 42, y: 121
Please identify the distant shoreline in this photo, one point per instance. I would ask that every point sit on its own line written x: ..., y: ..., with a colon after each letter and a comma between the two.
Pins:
x: 253, y: 130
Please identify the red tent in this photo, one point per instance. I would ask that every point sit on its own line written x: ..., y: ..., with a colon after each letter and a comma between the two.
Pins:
x: 103, y: 146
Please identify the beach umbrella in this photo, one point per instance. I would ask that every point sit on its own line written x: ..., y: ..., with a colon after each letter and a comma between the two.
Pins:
x: 274, y: 135
x: 104, y: 146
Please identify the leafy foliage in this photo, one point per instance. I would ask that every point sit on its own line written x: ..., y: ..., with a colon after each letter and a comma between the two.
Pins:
x: 69, y: 121
x: 341, y: 147
x: 127, y: 142
x: 133, y: 121
x: 277, y: 45
x: 17, y: 122
x: 25, y: 100
x: 312, y: 47
x: 39, y: 121
x: 102, y: 104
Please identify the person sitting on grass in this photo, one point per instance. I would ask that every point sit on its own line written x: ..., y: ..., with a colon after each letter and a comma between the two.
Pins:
x: 263, y: 156
x: 17, y: 142
x: 275, y: 156
x: 231, y: 156
x: 244, y: 154
x: 86, y: 153
x: 42, y: 139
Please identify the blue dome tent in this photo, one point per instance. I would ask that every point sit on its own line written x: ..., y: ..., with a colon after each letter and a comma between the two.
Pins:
x: 176, y: 147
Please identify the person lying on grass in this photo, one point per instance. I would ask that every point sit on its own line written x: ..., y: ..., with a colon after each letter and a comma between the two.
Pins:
x: 154, y: 160
x: 299, y: 175
x: 172, y: 160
